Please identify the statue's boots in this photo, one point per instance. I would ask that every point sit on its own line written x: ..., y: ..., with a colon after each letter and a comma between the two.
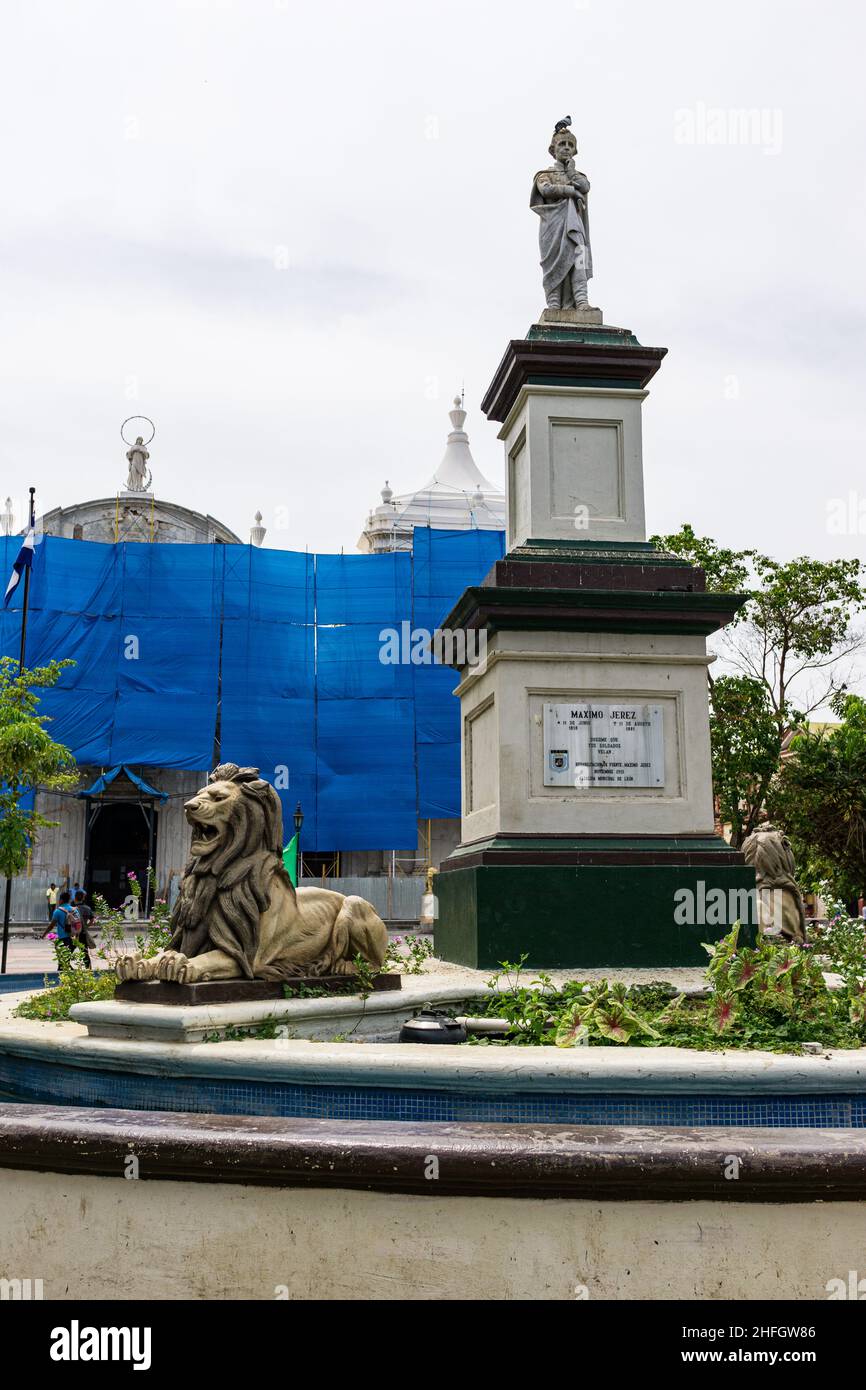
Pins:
x: 580, y: 289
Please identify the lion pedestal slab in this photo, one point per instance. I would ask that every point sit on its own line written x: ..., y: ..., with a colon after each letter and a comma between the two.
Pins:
x: 239, y: 991
x: 267, y: 1023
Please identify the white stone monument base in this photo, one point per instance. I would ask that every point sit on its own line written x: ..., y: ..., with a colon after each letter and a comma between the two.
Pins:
x: 506, y: 772
x: 579, y: 318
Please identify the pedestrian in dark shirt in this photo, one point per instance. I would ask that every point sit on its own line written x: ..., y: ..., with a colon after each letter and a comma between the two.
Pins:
x: 85, y: 939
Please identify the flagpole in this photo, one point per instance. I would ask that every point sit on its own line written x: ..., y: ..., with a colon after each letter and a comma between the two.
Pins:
x: 26, y: 603
x: 7, y: 902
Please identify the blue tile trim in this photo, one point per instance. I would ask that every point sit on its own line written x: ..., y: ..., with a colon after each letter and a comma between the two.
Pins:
x: 52, y: 1083
x: 17, y: 984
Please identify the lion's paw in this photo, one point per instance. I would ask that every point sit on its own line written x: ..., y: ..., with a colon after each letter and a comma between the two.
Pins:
x: 174, y: 967
x: 135, y: 967
x: 179, y: 969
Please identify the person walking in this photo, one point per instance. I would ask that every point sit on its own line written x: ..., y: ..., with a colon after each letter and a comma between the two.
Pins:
x: 66, y: 922
x: 85, y: 940
x: 51, y: 899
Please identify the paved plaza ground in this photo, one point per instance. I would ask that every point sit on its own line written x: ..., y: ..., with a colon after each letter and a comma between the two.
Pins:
x: 27, y: 956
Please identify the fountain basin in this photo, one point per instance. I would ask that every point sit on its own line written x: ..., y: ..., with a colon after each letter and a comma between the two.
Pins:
x: 262, y: 1208
x: 59, y: 1063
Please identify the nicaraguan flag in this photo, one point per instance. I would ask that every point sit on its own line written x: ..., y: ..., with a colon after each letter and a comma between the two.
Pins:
x: 25, y: 558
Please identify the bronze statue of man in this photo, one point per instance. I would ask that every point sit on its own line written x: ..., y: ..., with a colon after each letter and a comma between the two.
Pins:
x: 559, y: 196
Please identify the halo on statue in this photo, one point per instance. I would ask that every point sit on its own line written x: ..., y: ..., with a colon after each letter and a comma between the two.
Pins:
x: 129, y: 442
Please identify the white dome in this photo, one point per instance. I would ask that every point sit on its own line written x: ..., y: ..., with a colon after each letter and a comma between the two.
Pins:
x: 457, y: 498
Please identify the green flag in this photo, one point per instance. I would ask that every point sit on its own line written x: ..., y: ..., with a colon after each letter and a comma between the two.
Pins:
x: 290, y: 859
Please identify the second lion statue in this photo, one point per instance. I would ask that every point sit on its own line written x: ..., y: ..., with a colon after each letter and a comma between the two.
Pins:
x: 238, y: 914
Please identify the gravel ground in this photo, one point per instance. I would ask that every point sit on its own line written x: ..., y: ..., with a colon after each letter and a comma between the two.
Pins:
x: 683, y: 977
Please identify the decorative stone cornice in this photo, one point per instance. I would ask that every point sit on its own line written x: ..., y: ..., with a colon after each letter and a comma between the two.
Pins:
x: 565, y: 359
x: 592, y: 610
x: 649, y: 849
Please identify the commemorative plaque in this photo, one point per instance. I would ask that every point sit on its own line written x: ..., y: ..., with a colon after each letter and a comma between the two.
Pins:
x: 600, y: 743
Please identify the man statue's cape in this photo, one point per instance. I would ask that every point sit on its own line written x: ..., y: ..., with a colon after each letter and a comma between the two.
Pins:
x: 564, y: 231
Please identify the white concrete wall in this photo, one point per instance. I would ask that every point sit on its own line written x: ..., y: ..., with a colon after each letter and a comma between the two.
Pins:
x: 59, y: 852
x: 444, y: 835
x: 503, y: 783
x: 574, y: 465
x: 114, y: 1238
x: 172, y: 844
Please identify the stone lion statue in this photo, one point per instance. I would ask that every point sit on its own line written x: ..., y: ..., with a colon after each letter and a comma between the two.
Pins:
x: 238, y: 915
x: 780, y: 906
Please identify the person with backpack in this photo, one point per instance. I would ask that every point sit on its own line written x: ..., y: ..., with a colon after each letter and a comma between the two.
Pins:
x: 66, y: 923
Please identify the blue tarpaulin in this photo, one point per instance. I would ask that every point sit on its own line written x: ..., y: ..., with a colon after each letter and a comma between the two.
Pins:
x: 106, y: 778
x: 444, y: 563
x: 289, y: 658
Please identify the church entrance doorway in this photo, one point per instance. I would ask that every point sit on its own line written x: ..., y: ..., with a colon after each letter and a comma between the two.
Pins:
x: 122, y: 840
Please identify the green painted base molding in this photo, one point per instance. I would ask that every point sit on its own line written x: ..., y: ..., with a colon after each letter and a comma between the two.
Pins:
x: 570, y: 916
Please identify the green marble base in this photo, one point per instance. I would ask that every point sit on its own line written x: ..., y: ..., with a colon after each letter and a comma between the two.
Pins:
x: 590, y: 915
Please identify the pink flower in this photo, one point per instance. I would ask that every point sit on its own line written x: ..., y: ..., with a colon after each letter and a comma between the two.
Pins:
x: 52, y: 936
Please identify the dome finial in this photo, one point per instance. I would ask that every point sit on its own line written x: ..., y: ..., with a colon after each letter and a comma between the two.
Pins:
x: 457, y: 415
x: 258, y: 531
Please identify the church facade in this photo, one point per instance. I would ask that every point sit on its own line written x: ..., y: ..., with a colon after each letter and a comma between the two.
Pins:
x: 123, y: 818
x: 120, y: 820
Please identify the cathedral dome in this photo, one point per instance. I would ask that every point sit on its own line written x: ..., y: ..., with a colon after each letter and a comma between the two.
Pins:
x: 457, y: 498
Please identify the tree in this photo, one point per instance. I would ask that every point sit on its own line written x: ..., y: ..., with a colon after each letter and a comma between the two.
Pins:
x: 29, y: 758
x: 819, y: 799
x: 746, y: 747
x: 795, y: 626
x: 798, y: 625
x: 786, y: 647
x: 727, y: 571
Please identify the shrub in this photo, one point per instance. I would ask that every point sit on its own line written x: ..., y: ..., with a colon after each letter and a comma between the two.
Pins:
x: 771, y: 997
x: 77, y: 986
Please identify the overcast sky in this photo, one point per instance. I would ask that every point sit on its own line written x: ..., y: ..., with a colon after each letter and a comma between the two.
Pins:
x: 289, y: 232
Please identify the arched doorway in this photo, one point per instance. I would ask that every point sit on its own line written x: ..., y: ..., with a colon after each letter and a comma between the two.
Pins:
x: 122, y: 841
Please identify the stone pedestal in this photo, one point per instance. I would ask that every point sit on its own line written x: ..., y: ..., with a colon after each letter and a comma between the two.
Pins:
x: 587, y: 819
x: 579, y: 318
